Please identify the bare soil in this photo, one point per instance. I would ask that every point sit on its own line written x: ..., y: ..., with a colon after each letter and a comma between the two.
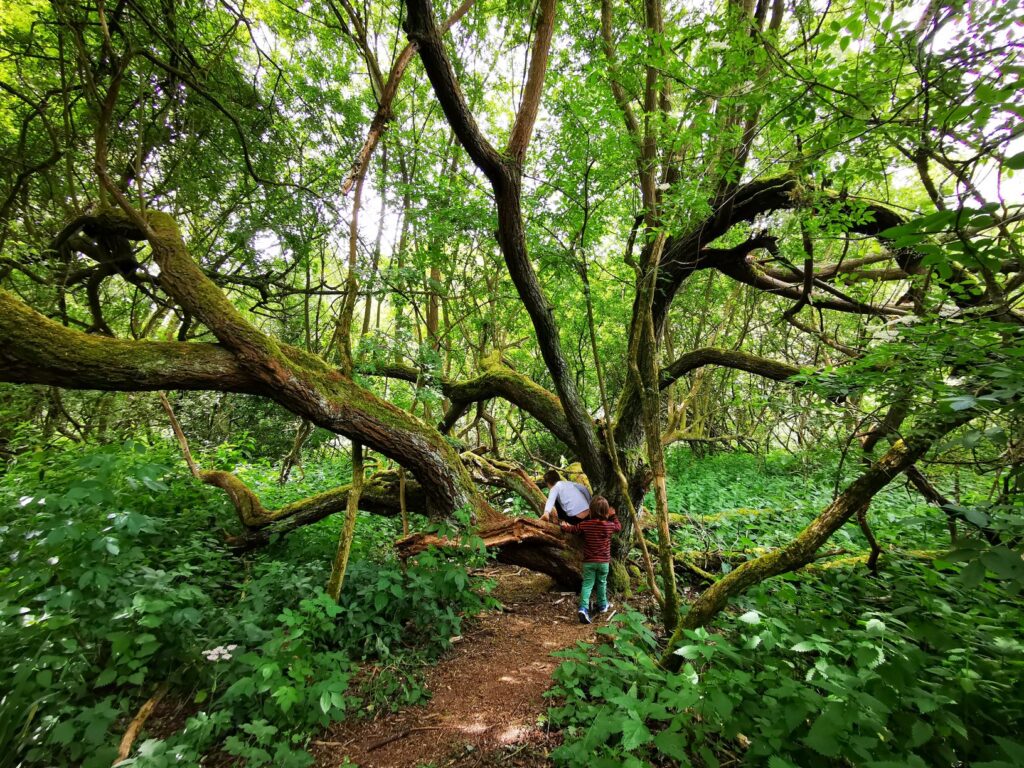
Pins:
x: 487, y: 705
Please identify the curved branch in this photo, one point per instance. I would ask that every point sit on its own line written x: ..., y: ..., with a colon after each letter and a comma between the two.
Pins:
x: 423, y: 33
x: 495, y: 380
x: 384, y: 113
x: 506, y: 182
x: 727, y: 358
x: 522, y: 130
x: 684, y: 254
x: 744, y: 272
x: 508, y: 475
x: 301, y: 382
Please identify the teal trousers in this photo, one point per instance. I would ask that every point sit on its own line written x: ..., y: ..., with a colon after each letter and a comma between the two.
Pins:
x: 595, y: 579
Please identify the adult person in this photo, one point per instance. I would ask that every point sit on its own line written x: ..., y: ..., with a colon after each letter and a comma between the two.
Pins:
x: 568, y: 500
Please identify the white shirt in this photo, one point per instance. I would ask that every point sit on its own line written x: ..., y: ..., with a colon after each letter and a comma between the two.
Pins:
x: 573, y: 498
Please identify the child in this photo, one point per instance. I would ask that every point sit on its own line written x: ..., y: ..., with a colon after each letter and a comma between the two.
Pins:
x: 571, y: 501
x: 597, y: 533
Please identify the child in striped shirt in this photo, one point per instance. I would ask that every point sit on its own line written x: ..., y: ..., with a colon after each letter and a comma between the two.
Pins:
x: 597, y: 533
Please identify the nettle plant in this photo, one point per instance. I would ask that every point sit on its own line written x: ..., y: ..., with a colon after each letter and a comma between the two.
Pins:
x: 902, y: 670
x: 115, y: 587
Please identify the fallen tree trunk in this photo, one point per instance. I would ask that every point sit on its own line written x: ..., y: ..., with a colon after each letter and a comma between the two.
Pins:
x: 533, y: 544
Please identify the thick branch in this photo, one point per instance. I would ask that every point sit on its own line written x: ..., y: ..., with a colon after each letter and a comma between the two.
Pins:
x: 384, y: 113
x: 537, y: 545
x: 423, y: 33
x: 508, y: 475
x: 505, y: 178
x: 728, y: 358
x: 745, y: 272
x: 301, y: 382
x: 37, y: 350
x: 527, y: 115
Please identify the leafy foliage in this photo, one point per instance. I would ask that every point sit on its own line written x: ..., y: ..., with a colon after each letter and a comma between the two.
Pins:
x: 115, y: 584
x: 898, y: 670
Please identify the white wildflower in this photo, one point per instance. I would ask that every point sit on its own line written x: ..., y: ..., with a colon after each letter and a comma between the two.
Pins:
x: 220, y: 653
x: 664, y: 185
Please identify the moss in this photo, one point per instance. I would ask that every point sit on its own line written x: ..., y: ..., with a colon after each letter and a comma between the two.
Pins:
x: 619, y: 579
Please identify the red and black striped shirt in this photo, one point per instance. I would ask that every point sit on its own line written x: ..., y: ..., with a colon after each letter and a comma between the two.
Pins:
x: 597, y: 538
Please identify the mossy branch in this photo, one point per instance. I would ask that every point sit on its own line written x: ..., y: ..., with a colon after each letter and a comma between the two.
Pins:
x: 801, y: 550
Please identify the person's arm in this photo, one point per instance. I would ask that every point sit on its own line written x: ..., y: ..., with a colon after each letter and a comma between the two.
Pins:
x: 549, y: 506
x: 570, y: 527
x: 614, y: 520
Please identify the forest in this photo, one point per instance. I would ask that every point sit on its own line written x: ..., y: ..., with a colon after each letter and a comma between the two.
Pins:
x: 305, y: 306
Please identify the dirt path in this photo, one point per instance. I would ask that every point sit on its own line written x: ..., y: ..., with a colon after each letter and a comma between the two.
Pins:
x: 486, y: 694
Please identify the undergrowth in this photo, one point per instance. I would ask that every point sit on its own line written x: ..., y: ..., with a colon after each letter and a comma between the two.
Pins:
x: 829, y: 666
x: 833, y: 668
x: 116, y: 583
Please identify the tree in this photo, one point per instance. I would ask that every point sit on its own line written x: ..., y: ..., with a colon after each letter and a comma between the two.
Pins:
x: 655, y: 143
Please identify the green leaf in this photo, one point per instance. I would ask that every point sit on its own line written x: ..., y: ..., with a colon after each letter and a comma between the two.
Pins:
x: 671, y: 743
x: 63, y: 732
x: 920, y: 733
x: 286, y: 697
x: 634, y: 734
x: 688, y: 651
x: 822, y: 736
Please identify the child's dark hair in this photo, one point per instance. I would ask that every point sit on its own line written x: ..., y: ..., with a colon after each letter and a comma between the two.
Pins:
x: 600, y: 509
x: 551, y: 476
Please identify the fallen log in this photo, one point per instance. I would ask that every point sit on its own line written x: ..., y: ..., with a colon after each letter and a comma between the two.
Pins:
x: 533, y: 544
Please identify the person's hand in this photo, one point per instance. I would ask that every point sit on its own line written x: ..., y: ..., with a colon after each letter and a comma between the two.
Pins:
x: 564, y: 526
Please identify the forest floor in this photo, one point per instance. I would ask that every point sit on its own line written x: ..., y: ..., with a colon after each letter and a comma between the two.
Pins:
x: 487, y: 706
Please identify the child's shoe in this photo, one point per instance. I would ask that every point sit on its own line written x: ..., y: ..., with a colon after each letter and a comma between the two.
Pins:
x: 584, y: 616
x: 605, y: 608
